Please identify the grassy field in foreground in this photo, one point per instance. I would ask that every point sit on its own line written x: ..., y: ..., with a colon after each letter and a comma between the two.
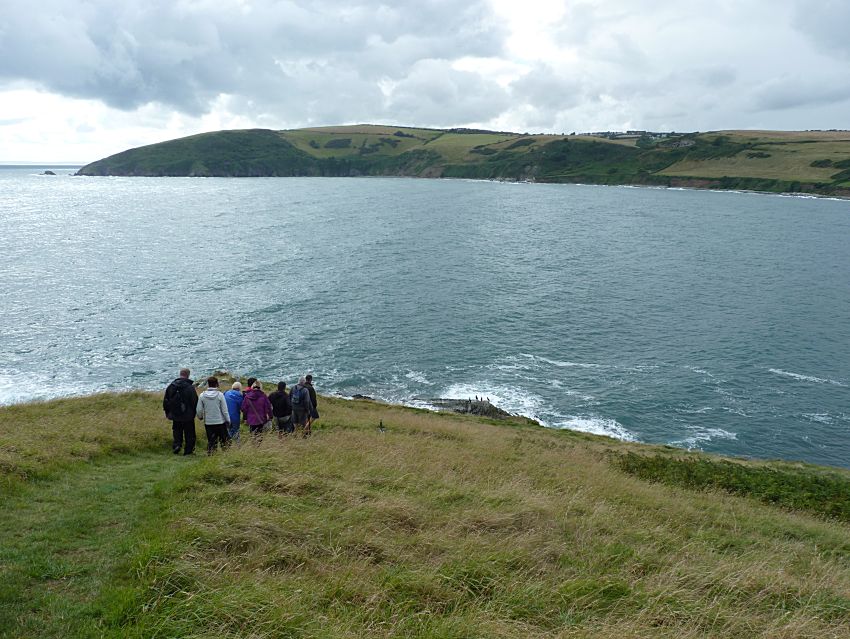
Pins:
x: 441, y: 526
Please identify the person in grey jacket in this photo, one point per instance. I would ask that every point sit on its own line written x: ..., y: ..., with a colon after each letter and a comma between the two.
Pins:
x: 302, y: 407
x: 212, y: 408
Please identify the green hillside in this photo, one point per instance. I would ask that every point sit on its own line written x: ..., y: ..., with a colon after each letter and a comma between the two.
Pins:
x: 808, y: 162
x: 440, y: 526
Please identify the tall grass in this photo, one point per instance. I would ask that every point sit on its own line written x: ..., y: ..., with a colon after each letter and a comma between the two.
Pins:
x: 448, y: 526
x: 39, y: 438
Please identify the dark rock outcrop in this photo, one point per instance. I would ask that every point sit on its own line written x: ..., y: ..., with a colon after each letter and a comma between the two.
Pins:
x: 470, y: 407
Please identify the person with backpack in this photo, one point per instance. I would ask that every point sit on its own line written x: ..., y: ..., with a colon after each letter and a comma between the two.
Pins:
x: 234, y: 398
x: 212, y: 408
x: 282, y: 409
x: 179, y: 404
x: 257, y: 409
x: 302, y: 407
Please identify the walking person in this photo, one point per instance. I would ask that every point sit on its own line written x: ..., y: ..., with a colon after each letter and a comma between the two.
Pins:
x: 282, y: 410
x: 212, y: 408
x: 179, y: 403
x: 257, y: 409
x: 302, y: 407
x: 314, y: 410
x: 234, y: 398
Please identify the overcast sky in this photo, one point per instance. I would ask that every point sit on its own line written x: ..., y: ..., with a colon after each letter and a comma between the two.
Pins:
x: 82, y: 79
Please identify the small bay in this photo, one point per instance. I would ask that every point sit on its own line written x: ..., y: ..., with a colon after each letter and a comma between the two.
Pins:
x: 714, y: 320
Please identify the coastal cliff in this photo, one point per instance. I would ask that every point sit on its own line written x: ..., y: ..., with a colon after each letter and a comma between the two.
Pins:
x: 792, y: 162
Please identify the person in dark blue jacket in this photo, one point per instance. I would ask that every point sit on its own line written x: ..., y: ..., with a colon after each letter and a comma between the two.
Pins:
x: 234, y: 398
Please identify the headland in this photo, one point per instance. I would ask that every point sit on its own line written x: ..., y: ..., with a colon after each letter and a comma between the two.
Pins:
x: 813, y: 162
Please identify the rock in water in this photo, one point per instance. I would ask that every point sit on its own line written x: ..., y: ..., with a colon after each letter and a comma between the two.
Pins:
x: 470, y: 407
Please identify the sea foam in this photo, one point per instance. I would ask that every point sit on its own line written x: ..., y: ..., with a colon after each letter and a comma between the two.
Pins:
x: 596, y: 426
x: 805, y: 378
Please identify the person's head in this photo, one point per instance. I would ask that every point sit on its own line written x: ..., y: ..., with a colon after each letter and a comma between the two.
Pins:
x: 302, y: 381
x: 281, y: 386
x: 257, y: 385
x: 212, y: 382
x: 250, y: 382
x: 185, y: 372
x: 236, y: 386
x: 309, y: 379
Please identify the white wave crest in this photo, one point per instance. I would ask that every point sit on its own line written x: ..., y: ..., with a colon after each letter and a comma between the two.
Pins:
x: 17, y: 388
x: 559, y: 363
x: 820, y: 418
x: 701, y: 435
x: 805, y: 378
x: 596, y: 426
x: 419, y: 377
x: 699, y: 371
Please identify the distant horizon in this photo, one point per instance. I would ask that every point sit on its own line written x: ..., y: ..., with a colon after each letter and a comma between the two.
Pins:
x: 48, y: 163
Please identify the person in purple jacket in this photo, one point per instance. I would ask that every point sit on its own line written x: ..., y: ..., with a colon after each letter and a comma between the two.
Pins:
x: 257, y: 409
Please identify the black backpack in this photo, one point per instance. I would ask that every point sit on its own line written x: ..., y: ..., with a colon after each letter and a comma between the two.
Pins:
x: 177, y: 403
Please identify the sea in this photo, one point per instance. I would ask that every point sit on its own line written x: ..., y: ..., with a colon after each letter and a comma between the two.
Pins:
x: 717, y: 321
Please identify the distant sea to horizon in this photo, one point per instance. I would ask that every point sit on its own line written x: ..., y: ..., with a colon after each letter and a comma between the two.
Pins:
x: 710, y: 320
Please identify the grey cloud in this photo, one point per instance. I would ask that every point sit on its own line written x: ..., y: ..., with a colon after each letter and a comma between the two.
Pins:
x: 433, y: 93
x: 184, y: 54
x: 716, y: 77
x: 795, y: 92
x: 825, y: 24
x: 547, y: 90
x: 644, y: 63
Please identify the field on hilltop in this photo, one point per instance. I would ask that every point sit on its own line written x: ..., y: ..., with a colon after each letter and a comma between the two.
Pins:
x: 437, y: 525
x: 818, y: 157
x: 778, y: 161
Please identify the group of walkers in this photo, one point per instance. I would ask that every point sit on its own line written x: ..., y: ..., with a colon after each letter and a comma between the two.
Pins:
x: 222, y: 413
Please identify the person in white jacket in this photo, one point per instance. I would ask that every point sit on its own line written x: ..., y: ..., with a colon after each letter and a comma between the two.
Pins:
x: 212, y: 408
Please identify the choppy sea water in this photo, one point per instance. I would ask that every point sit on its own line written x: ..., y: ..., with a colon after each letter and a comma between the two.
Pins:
x: 718, y: 321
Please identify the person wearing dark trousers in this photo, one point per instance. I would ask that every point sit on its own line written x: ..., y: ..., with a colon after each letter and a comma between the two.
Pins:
x: 180, y: 403
x: 282, y: 410
x: 257, y: 410
x: 302, y: 408
x: 314, y: 412
x: 212, y: 408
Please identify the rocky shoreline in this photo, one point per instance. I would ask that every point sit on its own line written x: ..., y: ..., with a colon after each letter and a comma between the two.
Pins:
x: 480, y: 407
